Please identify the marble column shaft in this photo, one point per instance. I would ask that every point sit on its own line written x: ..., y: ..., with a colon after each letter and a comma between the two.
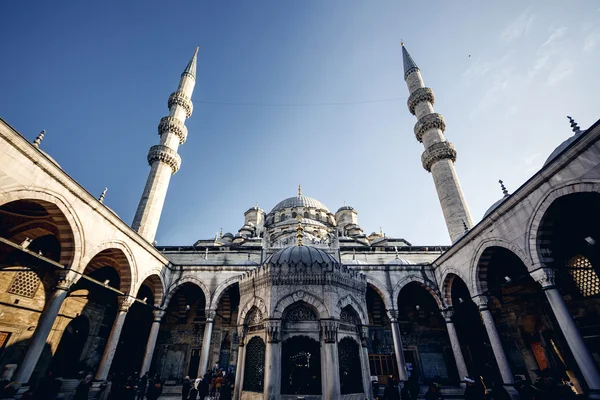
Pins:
x: 461, y: 366
x: 398, y: 350
x: 366, y: 370
x: 42, y: 330
x: 208, y: 327
x: 272, y: 386
x: 239, y: 369
x: 492, y: 331
x: 151, y: 344
x: 330, y: 367
x: 113, y: 339
x: 581, y: 354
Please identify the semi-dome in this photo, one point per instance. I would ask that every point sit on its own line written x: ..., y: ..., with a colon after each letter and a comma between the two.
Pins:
x: 299, y: 201
x: 301, y: 255
x: 400, y: 261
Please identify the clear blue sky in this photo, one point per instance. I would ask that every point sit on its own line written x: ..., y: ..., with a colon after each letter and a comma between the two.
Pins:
x: 97, y: 76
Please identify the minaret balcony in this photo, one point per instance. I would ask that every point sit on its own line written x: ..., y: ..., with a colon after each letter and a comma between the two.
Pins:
x: 173, y: 125
x: 418, y: 96
x: 429, y: 121
x: 180, y: 99
x: 165, y: 155
x: 436, y: 152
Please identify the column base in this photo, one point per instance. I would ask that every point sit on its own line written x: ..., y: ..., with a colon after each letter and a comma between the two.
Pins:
x: 512, y: 391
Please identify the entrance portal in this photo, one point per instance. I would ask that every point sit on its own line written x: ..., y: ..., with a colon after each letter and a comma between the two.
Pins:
x: 301, y: 366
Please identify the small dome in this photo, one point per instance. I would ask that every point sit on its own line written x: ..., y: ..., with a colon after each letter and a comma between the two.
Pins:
x: 50, y: 158
x: 400, y: 261
x: 299, y: 201
x: 301, y: 255
x: 563, y: 146
x: 228, y: 235
x: 355, y: 262
x: 494, y: 206
x: 344, y: 208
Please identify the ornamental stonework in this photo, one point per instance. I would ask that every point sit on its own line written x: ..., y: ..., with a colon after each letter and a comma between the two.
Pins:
x: 180, y: 99
x: 429, y: 121
x: 436, y: 152
x: 173, y: 125
x: 418, y: 96
x: 166, y: 155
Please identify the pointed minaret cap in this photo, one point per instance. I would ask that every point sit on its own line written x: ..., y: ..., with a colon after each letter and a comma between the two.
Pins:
x: 574, y: 126
x: 504, y: 191
x: 191, y: 67
x: 409, y: 63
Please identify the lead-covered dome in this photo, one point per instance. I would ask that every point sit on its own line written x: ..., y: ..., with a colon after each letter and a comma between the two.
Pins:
x: 301, y: 256
x: 299, y: 201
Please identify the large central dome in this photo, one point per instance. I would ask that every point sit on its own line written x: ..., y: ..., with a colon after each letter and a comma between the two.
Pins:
x: 299, y: 201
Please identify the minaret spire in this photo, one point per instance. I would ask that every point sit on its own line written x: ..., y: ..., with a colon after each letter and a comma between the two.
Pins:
x: 163, y: 158
x: 439, y: 155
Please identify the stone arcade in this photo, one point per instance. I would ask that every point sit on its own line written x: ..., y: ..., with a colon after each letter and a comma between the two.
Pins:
x: 300, y: 301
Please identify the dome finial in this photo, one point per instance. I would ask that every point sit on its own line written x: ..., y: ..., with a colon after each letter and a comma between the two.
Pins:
x: 101, y: 198
x: 39, y: 138
x: 299, y: 190
x: 299, y: 229
x: 221, y: 233
x: 396, y: 250
x: 504, y: 191
x: 574, y: 125
x: 353, y: 254
x: 380, y: 231
x: 465, y: 226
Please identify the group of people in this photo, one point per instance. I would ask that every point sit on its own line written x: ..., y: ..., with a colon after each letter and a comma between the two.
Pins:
x: 132, y: 387
x: 216, y: 384
x: 546, y: 387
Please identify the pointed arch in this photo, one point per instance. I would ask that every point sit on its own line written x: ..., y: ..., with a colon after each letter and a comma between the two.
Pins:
x: 216, y: 297
x: 155, y: 282
x: 256, y: 302
x: 183, y: 280
x: 535, y: 226
x: 479, y: 263
x: 427, y: 285
x: 382, y: 292
x: 64, y: 217
x: 301, y: 295
x: 116, y: 254
x: 349, y: 300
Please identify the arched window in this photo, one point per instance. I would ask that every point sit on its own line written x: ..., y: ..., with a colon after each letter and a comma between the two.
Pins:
x: 585, y: 277
x: 254, y: 365
x: 282, y: 217
x: 294, y: 214
x: 305, y: 214
x: 350, y: 371
x: 318, y: 216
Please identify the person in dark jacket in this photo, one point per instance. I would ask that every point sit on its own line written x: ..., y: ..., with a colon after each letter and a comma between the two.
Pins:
x: 226, y: 390
x: 141, y: 386
x: 155, y: 388
x: 82, y: 392
x: 413, y: 386
x: 474, y: 390
x: 391, y: 391
x: 48, y: 388
x: 203, y: 386
x: 434, y: 392
x: 185, y: 388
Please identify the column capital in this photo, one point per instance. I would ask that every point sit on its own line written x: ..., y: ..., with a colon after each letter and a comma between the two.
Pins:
x: 124, y: 303
x: 241, y: 331
x: 364, y: 336
x: 158, y: 314
x: 329, y: 329
x: 210, y: 315
x: 545, y: 277
x: 448, y: 313
x: 65, y: 279
x: 273, y: 328
x: 392, y: 315
x: 481, y: 301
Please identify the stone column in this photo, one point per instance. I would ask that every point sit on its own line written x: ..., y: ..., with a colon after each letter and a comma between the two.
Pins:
x: 208, y: 327
x: 503, y: 365
x: 125, y: 302
x: 272, y: 388
x: 65, y: 280
x: 456, y: 350
x: 239, y: 368
x: 583, y: 357
x: 398, y: 350
x: 330, y: 365
x: 366, y: 370
x: 158, y: 314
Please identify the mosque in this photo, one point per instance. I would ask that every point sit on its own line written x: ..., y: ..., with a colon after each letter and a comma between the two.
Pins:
x: 300, y: 301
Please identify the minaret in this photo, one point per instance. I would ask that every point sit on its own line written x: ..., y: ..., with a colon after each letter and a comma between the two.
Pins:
x: 439, y: 155
x: 163, y: 158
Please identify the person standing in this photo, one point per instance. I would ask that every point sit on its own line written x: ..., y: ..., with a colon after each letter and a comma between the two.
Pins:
x: 155, y: 388
x: 474, y: 390
x: 82, y: 392
x: 203, y: 387
x: 226, y: 390
x: 141, y: 387
x: 391, y: 391
x: 434, y: 392
x: 185, y: 388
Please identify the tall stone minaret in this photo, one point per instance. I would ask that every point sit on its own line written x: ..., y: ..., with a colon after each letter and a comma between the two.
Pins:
x: 163, y: 158
x: 439, y: 155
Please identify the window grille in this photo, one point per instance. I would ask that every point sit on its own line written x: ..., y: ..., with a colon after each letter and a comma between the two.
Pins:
x: 350, y: 371
x: 585, y: 277
x: 254, y: 365
x: 25, y: 283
